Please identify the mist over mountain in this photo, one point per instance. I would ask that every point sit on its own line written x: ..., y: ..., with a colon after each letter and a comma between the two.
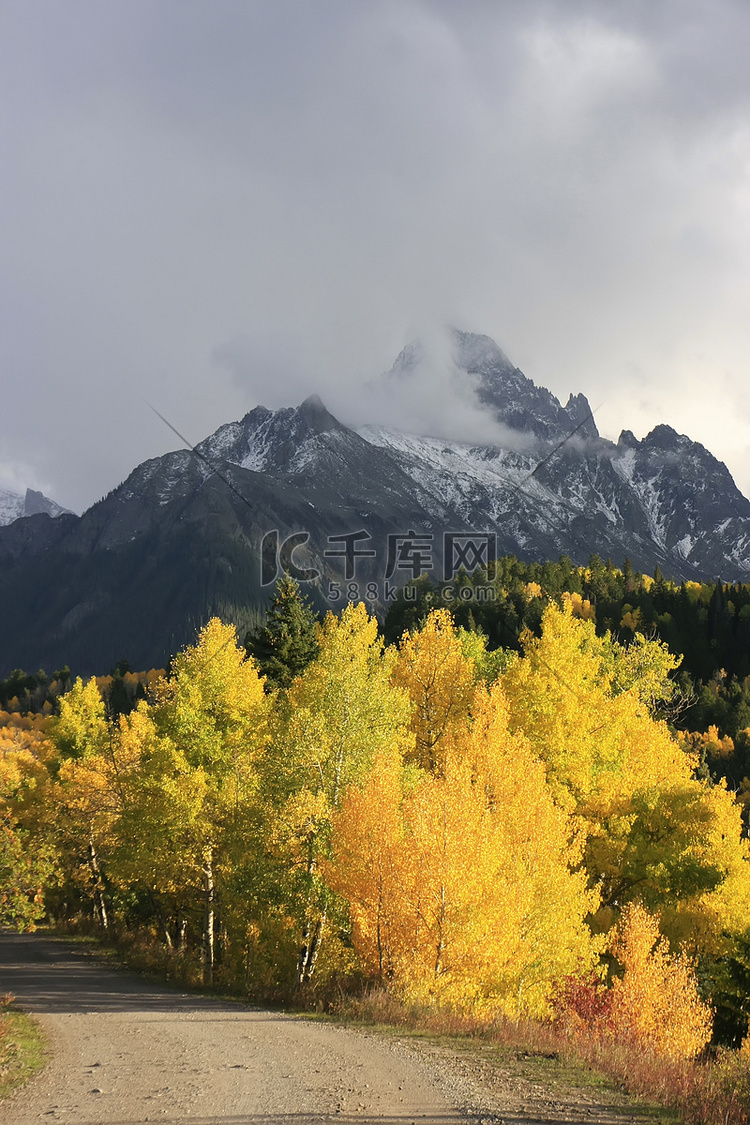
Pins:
x: 357, y: 511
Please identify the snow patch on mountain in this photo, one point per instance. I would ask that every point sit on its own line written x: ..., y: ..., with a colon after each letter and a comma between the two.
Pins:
x: 684, y: 546
x: 480, y: 483
x: 652, y: 505
x: 625, y: 464
x: 316, y: 450
x: 220, y: 444
x: 258, y: 454
x: 11, y: 507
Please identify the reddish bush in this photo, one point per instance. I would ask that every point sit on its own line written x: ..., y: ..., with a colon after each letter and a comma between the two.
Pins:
x: 584, y: 1002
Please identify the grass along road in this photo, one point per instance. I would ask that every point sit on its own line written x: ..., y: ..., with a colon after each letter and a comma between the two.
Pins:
x: 22, y: 1049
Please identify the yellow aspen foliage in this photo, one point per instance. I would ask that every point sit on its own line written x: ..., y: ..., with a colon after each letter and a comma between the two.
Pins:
x: 653, y: 829
x: 439, y: 679
x: 584, y: 704
x: 158, y: 799
x: 707, y: 743
x: 339, y: 714
x: 655, y: 1004
x: 679, y: 847
x: 26, y: 866
x: 26, y: 758
x: 580, y: 606
x: 166, y: 815
x: 341, y: 710
x: 459, y: 883
x: 27, y: 858
x: 214, y: 707
x: 82, y: 725
x: 366, y: 868
x: 88, y: 800
x: 87, y: 795
x: 200, y: 746
x: 487, y: 663
x: 644, y: 668
x: 558, y: 695
x: 25, y: 732
x: 631, y: 618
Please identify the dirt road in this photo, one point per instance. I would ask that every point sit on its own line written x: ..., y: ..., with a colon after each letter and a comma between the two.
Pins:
x: 125, y: 1052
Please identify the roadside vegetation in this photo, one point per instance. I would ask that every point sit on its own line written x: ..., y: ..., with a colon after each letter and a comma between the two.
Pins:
x: 713, y: 1089
x: 22, y: 1047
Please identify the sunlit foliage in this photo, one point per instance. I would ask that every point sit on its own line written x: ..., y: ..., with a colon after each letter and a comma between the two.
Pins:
x: 465, y: 825
x: 656, y: 1002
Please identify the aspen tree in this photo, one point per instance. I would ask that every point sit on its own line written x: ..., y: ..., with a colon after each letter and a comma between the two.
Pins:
x: 339, y: 715
x: 654, y: 832
x: 213, y: 714
x: 655, y: 1003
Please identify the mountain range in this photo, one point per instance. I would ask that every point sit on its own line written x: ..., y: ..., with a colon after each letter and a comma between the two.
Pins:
x: 200, y: 532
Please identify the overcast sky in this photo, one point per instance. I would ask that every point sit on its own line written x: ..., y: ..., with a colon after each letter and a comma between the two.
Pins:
x: 208, y: 205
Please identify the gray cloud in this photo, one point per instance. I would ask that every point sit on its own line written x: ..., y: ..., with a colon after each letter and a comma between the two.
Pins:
x: 213, y: 205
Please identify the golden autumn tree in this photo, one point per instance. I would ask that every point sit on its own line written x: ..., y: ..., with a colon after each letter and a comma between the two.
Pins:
x: 678, y: 848
x: 584, y: 704
x: 93, y: 793
x: 200, y: 762
x: 163, y: 823
x: 87, y: 796
x: 488, y: 663
x: 655, y: 1004
x: 654, y: 832
x: 459, y: 882
x: 162, y: 796
x: 439, y: 679
x: 367, y: 864
x: 339, y: 715
x: 27, y: 853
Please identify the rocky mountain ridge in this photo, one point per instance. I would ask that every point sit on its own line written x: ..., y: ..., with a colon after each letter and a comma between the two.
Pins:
x: 356, y: 511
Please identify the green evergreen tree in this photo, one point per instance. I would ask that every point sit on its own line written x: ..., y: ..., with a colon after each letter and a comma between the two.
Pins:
x: 116, y: 698
x: 287, y: 643
x: 629, y: 572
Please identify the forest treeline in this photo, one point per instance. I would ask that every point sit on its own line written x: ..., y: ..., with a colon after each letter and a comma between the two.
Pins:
x: 707, y: 624
x: 488, y: 829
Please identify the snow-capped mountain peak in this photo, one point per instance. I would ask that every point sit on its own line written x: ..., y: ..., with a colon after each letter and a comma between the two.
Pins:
x: 13, y: 506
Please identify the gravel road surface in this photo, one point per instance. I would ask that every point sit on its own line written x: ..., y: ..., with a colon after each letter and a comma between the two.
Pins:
x: 125, y: 1051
